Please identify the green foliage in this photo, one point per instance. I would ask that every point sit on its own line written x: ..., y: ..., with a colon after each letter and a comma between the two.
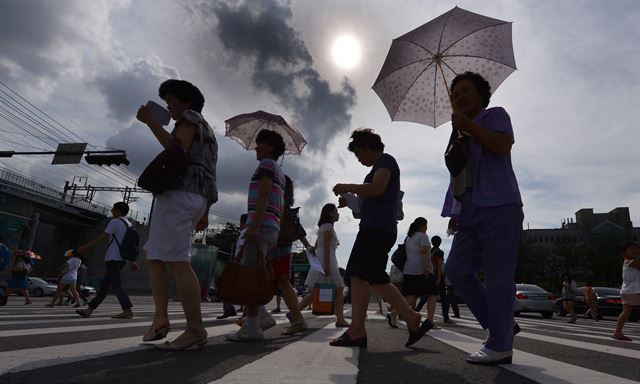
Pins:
x: 299, y: 258
x: 598, y: 259
x: 224, y: 238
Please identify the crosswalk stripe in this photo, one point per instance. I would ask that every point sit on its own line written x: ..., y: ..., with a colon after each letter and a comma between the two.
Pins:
x: 632, y: 353
x: 534, y: 367
x: 32, y: 358
x: 85, y: 328
x: 310, y: 360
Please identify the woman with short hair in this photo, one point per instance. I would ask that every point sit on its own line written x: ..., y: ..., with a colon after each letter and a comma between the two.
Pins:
x: 378, y: 231
x: 180, y: 210
x: 484, y: 204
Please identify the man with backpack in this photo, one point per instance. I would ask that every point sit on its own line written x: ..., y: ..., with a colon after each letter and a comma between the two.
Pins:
x: 123, y: 248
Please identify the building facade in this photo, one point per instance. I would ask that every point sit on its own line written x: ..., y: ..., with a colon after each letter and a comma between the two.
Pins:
x: 587, y: 247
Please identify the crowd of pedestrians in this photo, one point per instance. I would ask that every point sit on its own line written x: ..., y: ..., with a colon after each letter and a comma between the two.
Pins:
x: 482, y: 202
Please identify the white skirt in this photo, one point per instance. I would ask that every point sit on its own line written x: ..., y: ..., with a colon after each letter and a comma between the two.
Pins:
x: 174, y: 217
x: 315, y: 277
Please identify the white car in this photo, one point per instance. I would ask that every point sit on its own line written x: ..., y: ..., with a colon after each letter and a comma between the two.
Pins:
x: 39, y: 287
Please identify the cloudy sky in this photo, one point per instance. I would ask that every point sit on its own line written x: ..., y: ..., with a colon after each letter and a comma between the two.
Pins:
x: 88, y: 66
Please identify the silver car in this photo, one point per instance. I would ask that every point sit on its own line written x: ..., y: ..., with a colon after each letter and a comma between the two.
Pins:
x: 531, y: 298
x: 39, y: 287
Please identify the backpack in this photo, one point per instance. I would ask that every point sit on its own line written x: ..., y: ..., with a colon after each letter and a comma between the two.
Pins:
x: 289, y: 223
x: 399, y: 257
x: 130, y: 247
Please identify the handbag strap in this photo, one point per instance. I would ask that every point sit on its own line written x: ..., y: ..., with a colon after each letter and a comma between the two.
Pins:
x: 260, y: 257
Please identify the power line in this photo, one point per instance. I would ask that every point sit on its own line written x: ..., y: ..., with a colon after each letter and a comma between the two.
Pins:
x: 44, y: 113
x: 20, y: 109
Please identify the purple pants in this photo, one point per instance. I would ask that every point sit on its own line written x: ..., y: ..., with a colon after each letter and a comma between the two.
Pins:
x: 487, y: 240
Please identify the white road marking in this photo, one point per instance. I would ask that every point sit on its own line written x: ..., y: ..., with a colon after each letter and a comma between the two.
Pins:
x: 534, y: 367
x: 310, y: 360
x: 32, y: 358
x: 617, y: 351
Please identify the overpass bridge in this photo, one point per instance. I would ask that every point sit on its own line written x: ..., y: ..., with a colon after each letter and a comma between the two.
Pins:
x: 40, y: 217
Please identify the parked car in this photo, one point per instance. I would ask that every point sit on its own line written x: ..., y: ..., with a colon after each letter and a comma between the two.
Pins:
x: 531, y: 298
x: 39, y: 287
x: 609, y: 303
x: 86, y: 289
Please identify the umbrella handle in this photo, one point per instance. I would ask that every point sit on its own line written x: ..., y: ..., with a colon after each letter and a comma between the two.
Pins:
x: 446, y: 85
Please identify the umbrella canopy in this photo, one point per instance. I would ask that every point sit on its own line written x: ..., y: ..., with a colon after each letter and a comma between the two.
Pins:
x: 244, y: 129
x: 414, y: 80
x: 27, y: 254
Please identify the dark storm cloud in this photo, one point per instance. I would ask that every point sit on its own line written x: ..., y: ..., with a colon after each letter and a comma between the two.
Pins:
x: 28, y: 31
x: 282, y: 65
x: 127, y: 89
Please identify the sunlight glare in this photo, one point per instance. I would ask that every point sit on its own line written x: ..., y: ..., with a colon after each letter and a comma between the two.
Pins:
x: 346, y: 52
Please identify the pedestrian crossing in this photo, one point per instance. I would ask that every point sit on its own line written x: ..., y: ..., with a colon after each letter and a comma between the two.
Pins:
x: 35, y: 340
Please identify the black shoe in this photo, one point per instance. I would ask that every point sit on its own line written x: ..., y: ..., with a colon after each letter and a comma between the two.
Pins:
x: 3, y: 300
x: 346, y: 341
x: 457, y: 316
x: 417, y: 335
x: 449, y: 321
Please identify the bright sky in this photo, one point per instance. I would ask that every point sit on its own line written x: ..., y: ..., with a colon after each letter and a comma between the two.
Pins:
x: 573, y: 100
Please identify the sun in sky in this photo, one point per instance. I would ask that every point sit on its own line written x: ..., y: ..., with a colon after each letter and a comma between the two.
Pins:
x: 345, y: 51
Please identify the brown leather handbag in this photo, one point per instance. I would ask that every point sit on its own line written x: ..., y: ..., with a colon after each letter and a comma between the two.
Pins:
x: 246, y: 284
x: 166, y: 170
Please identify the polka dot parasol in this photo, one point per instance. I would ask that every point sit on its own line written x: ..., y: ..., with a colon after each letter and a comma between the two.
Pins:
x: 414, y: 79
x: 245, y: 127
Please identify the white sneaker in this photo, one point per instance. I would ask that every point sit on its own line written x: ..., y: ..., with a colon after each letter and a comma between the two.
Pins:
x: 485, y: 356
x: 267, y: 321
x: 245, y: 334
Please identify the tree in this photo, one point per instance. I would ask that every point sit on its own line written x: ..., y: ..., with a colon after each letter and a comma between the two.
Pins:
x: 564, y: 249
x: 225, y: 237
x: 607, y: 259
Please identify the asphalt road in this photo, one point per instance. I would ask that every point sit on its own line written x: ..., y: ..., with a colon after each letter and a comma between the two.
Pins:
x: 53, y: 345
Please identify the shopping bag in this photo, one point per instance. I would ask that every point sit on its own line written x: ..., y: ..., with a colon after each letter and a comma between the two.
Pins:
x: 324, y: 299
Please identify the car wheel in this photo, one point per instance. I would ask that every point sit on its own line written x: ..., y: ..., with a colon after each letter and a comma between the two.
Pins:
x: 38, y: 292
x: 547, y: 314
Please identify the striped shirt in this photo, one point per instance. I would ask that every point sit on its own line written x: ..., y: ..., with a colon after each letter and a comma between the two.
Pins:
x: 267, y: 168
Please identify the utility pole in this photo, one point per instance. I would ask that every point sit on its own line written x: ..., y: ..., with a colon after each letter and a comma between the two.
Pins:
x: 91, y: 190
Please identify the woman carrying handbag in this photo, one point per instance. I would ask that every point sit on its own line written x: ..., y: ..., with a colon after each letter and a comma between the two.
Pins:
x: 179, y: 210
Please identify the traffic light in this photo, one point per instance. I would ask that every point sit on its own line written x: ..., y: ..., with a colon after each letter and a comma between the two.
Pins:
x: 113, y: 159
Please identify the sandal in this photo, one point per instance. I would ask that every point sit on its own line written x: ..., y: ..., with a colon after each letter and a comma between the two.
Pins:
x: 194, y: 344
x: 297, y: 327
x: 159, y: 334
x: 346, y: 341
x: 621, y: 338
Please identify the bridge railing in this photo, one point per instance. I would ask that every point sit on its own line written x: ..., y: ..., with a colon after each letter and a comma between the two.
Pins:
x: 21, y: 182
